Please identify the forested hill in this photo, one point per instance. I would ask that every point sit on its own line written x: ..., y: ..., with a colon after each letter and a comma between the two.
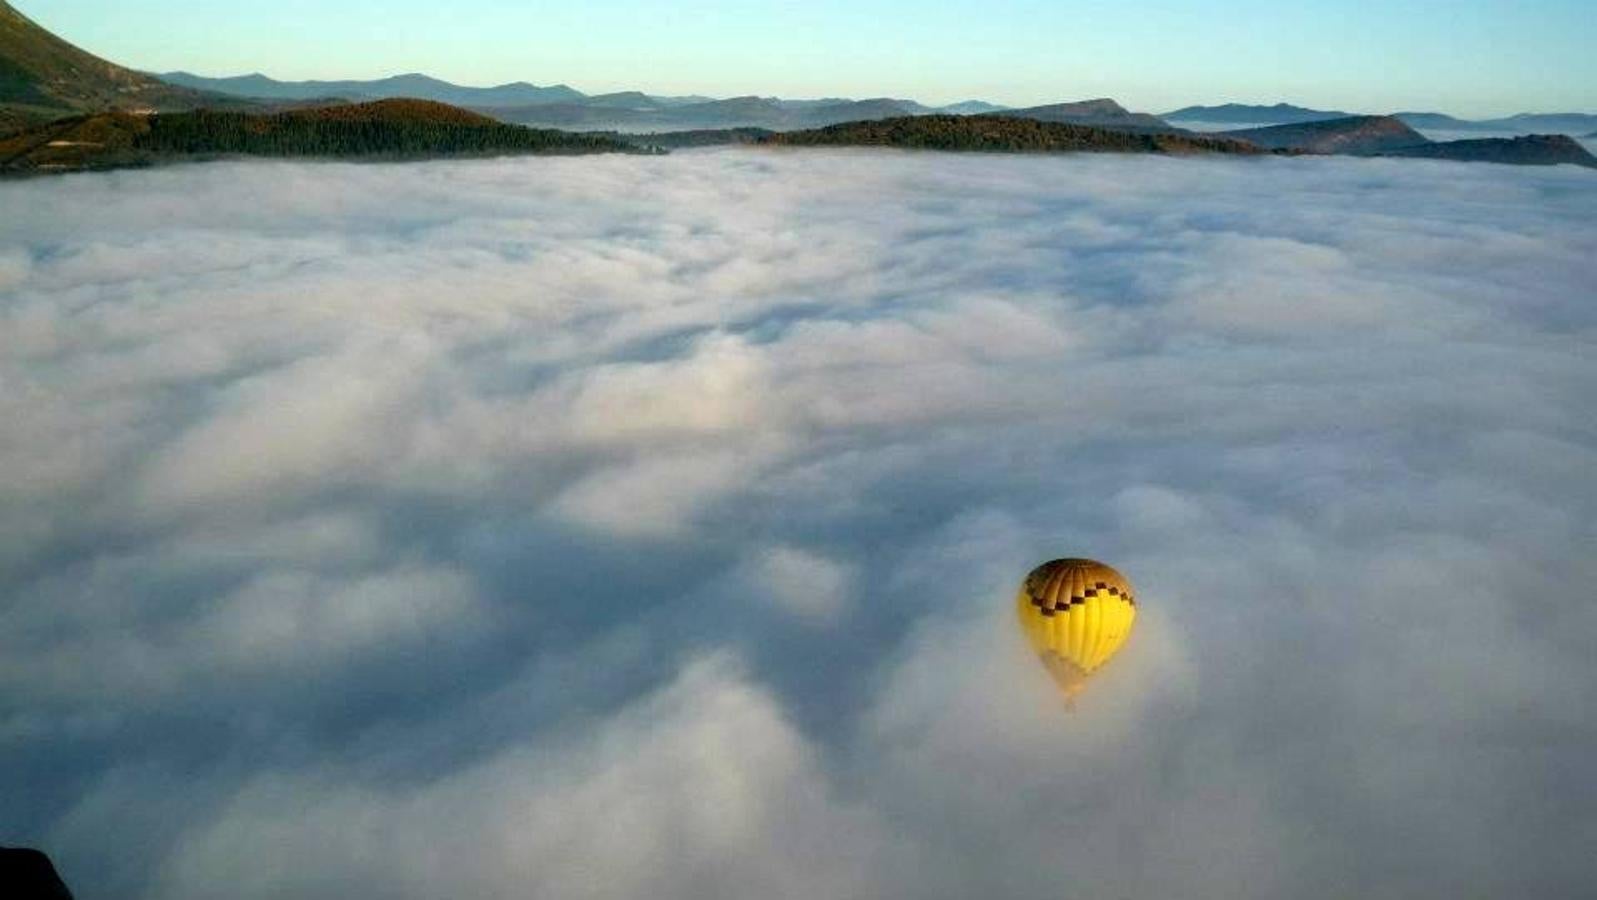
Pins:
x: 1003, y: 134
x: 1526, y: 150
x: 391, y: 129
x: 1353, y: 135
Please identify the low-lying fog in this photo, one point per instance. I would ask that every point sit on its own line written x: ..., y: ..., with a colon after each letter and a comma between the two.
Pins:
x: 648, y: 527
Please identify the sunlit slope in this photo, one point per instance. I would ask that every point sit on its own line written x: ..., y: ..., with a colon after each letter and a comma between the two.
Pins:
x: 44, y: 77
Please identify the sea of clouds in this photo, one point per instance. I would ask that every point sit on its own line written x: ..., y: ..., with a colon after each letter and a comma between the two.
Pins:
x: 649, y: 527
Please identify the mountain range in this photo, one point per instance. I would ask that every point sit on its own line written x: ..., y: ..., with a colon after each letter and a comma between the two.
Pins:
x: 44, y: 77
x: 562, y: 106
x: 1523, y: 123
x: 770, y: 113
x: 1559, y: 123
x: 67, y: 109
x: 1244, y: 114
x: 413, y: 85
x: 1391, y: 136
x: 1287, y: 114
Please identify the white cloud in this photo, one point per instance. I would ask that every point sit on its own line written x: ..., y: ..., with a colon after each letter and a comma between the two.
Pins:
x: 809, y: 586
x: 716, y: 390
x: 296, y: 428
x: 658, y: 495
x: 701, y: 790
x: 101, y: 637
x: 282, y: 620
x: 356, y: 523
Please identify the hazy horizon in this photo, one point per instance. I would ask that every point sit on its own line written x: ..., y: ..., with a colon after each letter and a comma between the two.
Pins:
x: 1476, y: 60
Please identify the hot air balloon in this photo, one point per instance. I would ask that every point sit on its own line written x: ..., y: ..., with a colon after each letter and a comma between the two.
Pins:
x: 1076, y: 613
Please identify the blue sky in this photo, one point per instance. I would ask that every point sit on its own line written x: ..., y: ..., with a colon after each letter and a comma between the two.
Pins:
x: 1473, y: 57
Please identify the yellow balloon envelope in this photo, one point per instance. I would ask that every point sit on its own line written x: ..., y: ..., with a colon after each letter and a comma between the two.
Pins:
x: 1076, y: 613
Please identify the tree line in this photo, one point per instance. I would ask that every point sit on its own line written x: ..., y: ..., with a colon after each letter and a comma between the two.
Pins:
x: 205, y: 132
x: 1004, y: 134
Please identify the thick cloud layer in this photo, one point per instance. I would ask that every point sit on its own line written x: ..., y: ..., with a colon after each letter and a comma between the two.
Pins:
x: 648, y: 527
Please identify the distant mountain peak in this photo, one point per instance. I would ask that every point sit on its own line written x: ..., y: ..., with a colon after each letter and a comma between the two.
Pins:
x: 1100, y: 112
x: 1098, y: 105
x: 1280, y: 113
x: 972, y: 107
x: 409, y: 84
